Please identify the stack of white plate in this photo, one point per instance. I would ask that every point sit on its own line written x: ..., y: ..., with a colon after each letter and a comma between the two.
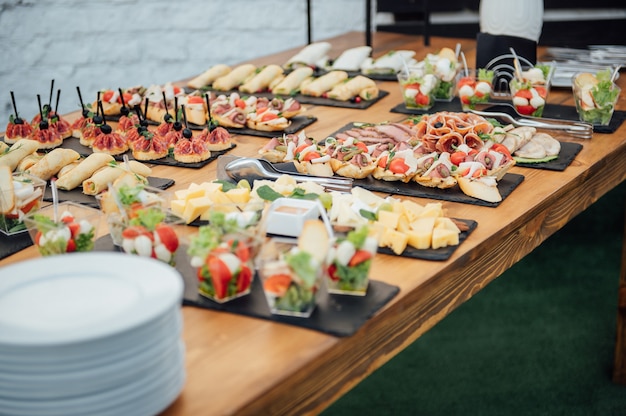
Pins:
x: 90, y: 334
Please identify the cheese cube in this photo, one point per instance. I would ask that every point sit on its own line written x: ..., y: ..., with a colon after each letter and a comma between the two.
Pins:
x: 389, y: 219
x: 177, y: 206
x: 395, y: 240
x: 443, y: 237
x: 238, y: 195
x: 195, y: 207
x: 420, y: 235
x: 189, y: 193
x: 447, y: 223
x: 412, y: 209
x: 210, y: 187
x: 404, y: 224
x: 219, y: 197
x: 433, y: 209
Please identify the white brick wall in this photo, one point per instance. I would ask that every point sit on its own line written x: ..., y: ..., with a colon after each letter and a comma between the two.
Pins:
x: 119, y: 43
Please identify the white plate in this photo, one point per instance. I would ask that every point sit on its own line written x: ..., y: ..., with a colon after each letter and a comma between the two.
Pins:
x: 78, y: 297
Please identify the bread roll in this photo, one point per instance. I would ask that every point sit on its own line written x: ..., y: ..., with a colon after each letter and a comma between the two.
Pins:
x: 234, y: 78
x: 18, y: 151
x: 52, y: 163
x: 84, y: 170
x: 484, y: 188
x: 291, y: 83
x: 324, y: 83
x: 351, y: 59
x: 347, y: 90
x: 262, y: 80
x: 209, y: 76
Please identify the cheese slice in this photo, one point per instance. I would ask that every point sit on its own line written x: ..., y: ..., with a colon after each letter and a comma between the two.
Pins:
x: 195, y: 207
x: 178, y: 206
x: 420, y: 235
x: 395, y: 240
x: 238, y: 195
x: 443, y: 237
x: 389, y: 219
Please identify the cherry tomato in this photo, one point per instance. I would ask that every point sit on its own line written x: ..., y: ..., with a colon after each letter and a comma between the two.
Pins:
x: 541, y: 91
x: 414, y: 86
x: 361, y: 146
x: 382, y: 162
x: 167, y: 236
x: 107, y: 95
x: 241, y: 249
x: 194, y: 99
x: 422, y: 99
x: 71, y: 246
x: 74, y: 228
x: 240, y: 103
x: 277, y: 284
x: 524, y: 94
x: 398, y: 166
x: 269, y: 116
x: 310, y: 156
x: 220, y: 275
x: 458, y: 157
x: 359, y: 257
x: 244, y: 279
x: 500, y: 148
x: 332, y: 272
x: 525, y: 110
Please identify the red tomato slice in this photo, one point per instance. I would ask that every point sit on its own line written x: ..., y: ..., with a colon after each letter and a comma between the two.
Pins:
x: 74, y: 228
x: 301, y: 147
x: 241, y: 249
x: 466, y: 81
x: 71, y: 246
x: 277, y: 284
x: 135, y: 231
x: 398, y: 166
x: 220, y: 275
x: 500, y: 148
x: 107, y: 95
x: 240, y: 103
x: 195, y: 99
x: 541, y: 91
x: 524, y: 94
x: 382, y: 162
x: 168, y: 237
x: 361, y: 146
x: 458, y: 157
x: 359, y: 257
x: 310, y: 156
x: 422, y: 99
x: 127, y: 98
x: 525, y: 110
x: 269, y: 116
x: 244, y: 279
x: 414, y: 86
x: 68, y: 219
x: 332, y: 272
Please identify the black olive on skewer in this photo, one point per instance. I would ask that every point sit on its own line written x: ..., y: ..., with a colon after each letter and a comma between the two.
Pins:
x: 97, y: 118
x: 187, y: 133
x: 16, y: 119
x: 104, y: 128
x: 177, y: 124
x: 208, y: 107
x: 43, y: 123
x: 167, y: 117
x: 124, y: 110
x: 85, y: 111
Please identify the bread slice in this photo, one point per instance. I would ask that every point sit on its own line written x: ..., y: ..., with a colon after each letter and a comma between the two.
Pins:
x: 7, y: 194
x: 314, y: 239
x: 479, y: 189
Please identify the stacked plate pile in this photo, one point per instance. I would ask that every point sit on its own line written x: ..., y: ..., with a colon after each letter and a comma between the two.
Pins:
x: 90, y: 334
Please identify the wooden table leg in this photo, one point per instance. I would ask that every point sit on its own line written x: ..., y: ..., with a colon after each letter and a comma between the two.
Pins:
x: 619, y: 369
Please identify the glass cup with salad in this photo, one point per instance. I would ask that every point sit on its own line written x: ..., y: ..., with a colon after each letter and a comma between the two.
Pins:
x: 474, y: 87
x: 529, y: 89
x: 20, y: 194
x: 418, y: 88
x: 349, y: 261
x: 595, y: 96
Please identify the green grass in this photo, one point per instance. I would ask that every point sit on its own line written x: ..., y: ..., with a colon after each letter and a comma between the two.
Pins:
x: 539, y: 340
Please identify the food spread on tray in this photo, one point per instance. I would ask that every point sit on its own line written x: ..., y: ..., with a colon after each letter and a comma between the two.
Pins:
x: 440, y: 150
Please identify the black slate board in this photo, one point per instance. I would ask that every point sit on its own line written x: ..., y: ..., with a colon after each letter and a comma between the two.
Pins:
x: 14, y: 243
x: 453, y: 105
x: 506, y: 185
x: 568, y: 153
x: 74, y: 144
x: 440, y: 254
x: 297, y: 124
x: 337, y: 315
x: 566, y: 112
x: 77, y: 195
x: 362, y: 105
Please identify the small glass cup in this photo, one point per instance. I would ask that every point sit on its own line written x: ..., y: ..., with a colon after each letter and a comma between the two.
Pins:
x: 25, y: 197
x: 529, y: 94
x: 418, y: 89
x: 446, y: 72
x: 224, y: 252
x: 150, y: 231
x: 474, y: 87
x: 72, y: 228
x: 349, y: 261
x: 291, y: 278
x: 595, y: 97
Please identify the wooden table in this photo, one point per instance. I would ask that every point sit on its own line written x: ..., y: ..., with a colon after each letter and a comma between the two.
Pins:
x: 242, y: 365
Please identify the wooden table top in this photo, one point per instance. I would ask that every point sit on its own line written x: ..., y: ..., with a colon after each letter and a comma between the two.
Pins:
x: 242, y: 365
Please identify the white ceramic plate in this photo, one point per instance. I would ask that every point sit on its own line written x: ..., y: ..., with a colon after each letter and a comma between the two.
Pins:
x: 79, y: 297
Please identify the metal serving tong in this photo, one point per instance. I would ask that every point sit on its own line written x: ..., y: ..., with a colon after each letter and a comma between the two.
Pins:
x: 253, y: 168
x: 577, y: 129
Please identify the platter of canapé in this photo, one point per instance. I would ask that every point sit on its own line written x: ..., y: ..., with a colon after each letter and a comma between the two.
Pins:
x: 106, y: 153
